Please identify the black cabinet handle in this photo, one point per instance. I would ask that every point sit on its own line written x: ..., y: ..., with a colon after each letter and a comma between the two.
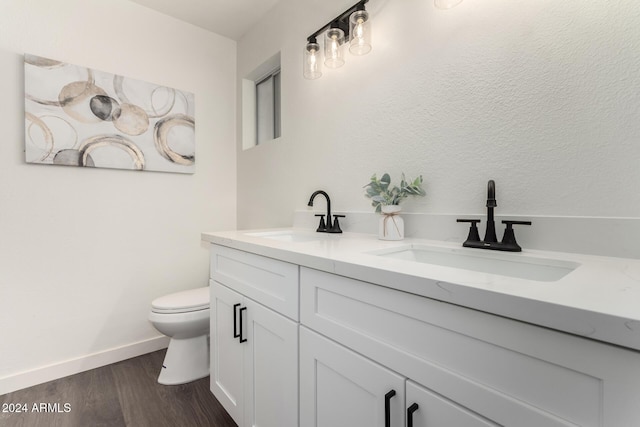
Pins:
x: 240, y: 335
x: 235, y: 320
x: 410, y: 410
x: 387, y: 407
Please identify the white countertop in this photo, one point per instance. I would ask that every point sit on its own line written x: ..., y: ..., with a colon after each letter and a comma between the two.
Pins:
x: 599, y: 300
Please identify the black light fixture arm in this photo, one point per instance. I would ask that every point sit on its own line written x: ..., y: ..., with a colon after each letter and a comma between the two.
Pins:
x: 341, y: 21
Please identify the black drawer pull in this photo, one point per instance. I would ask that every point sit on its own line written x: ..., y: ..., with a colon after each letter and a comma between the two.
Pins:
x: 240, y: 335
x: 387, y: 407
x: 235, y: 320
x: 410, y: 410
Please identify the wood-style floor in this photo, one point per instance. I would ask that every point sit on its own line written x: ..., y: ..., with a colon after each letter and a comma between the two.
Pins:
x: 124, y: 394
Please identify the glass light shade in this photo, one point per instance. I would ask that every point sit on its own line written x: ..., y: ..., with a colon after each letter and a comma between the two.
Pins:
x: 333, y: 40
x: 446, y: 4
x: 312, y: 65
x: 360, y: 31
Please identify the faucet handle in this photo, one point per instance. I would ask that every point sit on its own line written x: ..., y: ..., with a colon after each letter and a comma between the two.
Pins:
x: 516, y: 222
x: 473, y: 230
x: 335, y: 228
x: 322, y: 226
x: 509, y: 237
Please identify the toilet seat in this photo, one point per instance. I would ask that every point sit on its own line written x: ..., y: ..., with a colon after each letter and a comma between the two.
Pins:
x: 182, y: 302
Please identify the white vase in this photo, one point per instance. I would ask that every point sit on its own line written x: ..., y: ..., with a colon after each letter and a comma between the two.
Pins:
x: 391, y: 225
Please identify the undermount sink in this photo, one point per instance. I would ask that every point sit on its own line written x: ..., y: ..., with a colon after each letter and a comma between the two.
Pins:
x: 286, y: 235
x: 510, y: 265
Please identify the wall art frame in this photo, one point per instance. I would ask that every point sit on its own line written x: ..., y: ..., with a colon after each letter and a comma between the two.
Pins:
x: 78, y: 116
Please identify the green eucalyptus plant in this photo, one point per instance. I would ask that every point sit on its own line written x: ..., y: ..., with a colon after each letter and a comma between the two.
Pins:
x: 382, y: 194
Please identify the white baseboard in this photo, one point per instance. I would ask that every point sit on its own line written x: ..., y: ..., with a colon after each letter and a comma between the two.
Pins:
x: 85, y: 363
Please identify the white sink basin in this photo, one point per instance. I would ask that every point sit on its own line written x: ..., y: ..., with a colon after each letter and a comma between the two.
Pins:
x: 287, y: 235
x: 484, y: 261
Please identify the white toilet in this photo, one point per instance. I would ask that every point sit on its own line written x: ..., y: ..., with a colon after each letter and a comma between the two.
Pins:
x: 184, y: 317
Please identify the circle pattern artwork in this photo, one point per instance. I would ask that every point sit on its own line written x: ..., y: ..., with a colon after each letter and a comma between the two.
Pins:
x: 77, y: 116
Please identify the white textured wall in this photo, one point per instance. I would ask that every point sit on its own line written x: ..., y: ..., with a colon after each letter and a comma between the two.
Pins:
x: 541, y: 95
x: 84, y: 251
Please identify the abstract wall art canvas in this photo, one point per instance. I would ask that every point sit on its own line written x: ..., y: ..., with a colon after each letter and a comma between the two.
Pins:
x: 77, y: 116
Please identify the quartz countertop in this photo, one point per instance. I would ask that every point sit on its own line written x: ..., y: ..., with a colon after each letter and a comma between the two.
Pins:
x: 599, y: 300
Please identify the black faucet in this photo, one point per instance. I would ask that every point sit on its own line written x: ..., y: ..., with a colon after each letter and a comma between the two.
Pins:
x: 490, y: 241
x: 329, y: 226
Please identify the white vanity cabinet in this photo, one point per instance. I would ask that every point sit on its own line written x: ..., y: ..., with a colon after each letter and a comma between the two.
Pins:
x: 461, y: 367
x: 254, y: 337
x: 324, y: 350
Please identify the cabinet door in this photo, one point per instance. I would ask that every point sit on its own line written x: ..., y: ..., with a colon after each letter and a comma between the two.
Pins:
x: 270, y: 368
x: 433, y: 410
x: 226, y: 351
x: 340, y: 388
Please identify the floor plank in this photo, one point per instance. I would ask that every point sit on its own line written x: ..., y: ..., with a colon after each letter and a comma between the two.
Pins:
x: 125, y: 394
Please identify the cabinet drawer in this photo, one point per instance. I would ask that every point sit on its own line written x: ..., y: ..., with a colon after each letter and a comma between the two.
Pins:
x: 511, y: 372
x: 268, y: 281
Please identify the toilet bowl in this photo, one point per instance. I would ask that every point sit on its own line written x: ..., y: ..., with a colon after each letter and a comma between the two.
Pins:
x: 184, y: 317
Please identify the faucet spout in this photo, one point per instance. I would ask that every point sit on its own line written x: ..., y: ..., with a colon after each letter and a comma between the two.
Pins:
x: 490, y: 234
x: 326, y: 196
x: 491, y: 194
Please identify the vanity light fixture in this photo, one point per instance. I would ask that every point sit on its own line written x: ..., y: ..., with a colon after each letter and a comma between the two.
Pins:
x: 333, y: 41
x: 360, y: 29
x: 352, y: 25
x: 312, y: 66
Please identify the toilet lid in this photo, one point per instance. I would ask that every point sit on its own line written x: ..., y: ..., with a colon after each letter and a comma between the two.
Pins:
x: 181, y: 302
